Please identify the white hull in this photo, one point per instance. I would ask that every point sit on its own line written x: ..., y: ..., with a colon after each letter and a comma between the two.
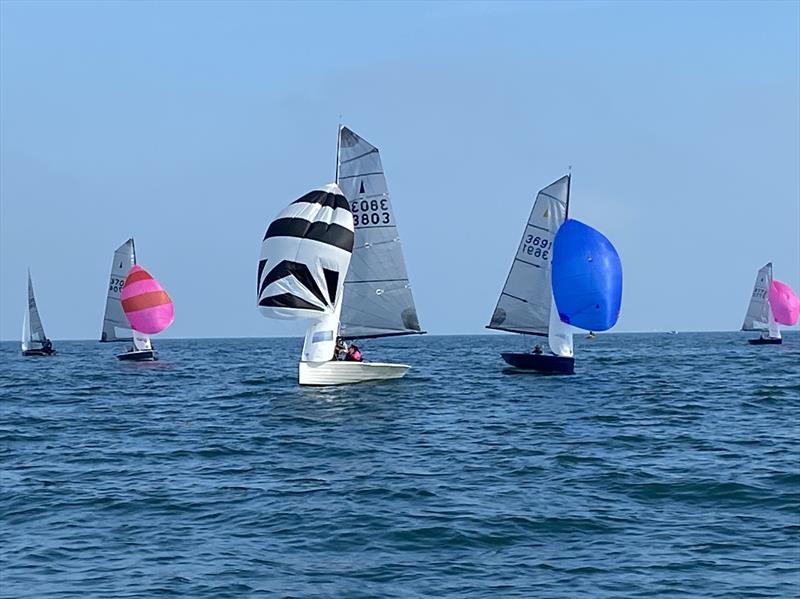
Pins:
x: 347, y: 373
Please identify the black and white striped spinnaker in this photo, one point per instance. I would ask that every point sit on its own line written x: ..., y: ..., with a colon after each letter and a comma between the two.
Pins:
x: 304, y: 259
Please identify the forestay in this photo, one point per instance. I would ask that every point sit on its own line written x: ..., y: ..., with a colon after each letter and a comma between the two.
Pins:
x: 304, y: 258
x: 32, y: 329
x: 377, y: 294
x: 115, y: 323
x: 525, y: 302
x: 757, y: 317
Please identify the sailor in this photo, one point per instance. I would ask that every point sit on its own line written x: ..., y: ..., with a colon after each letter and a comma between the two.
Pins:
x: 340, y: 351
x: 353, y: 354
x: 537, y: 349
x: 47, y: 346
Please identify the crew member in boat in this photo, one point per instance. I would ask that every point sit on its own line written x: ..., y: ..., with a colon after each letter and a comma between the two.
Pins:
x: 47, y: 346
x: 537, y: 350
x: 340, y: 351
x: 353, y: 354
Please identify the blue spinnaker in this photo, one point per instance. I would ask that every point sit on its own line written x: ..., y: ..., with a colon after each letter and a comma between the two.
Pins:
x: 586, y: 277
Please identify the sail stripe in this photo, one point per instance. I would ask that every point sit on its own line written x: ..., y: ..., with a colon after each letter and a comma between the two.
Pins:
x: 323, y: 198
x: 299, y: 271
x: 332, y: 234
x: 287, y: 300
x: 139, y: 275
x: 332, y: 282
x: 144, y: 301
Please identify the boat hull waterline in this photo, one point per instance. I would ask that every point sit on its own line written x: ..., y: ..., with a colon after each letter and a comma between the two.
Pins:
x: 544, y: 363
x: 38, y: 352
x: 763, y: 341
x: 347, y: 373
x: 144, y: 355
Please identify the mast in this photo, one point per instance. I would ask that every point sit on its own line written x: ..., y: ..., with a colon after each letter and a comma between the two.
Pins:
x: 569, y: 181
x: 133, y: 247
x: 338, y: 138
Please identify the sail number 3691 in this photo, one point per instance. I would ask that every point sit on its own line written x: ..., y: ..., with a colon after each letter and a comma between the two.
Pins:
x: 371, y: 212
x: 538, y: 247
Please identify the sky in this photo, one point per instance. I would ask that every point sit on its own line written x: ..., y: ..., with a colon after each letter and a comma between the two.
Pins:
x: 190, y: 125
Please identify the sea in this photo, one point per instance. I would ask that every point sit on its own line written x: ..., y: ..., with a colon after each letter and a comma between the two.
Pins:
x: 667, y: 466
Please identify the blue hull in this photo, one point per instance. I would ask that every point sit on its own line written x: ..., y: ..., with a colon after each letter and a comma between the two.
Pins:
x: 544, y: 363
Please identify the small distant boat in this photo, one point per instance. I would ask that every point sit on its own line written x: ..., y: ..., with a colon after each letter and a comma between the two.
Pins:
x: 771, y: 303
x: 564, y: 275
x: 34, y: 340
x: 673, y: 332
x: 591, y: 335
x: 116, y: 327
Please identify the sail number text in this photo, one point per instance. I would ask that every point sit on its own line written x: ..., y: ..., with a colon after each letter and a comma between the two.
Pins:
x: 759, y: 293
x: 538, y: 247
x: 116, y: 284
x: 371, y: 212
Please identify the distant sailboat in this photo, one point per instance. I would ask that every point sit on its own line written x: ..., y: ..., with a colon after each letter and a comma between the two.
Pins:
x: 377, y: 294
x: 34, y: 340
x: 528, y: 301
x: 768, y: 298
x: 116, y: 327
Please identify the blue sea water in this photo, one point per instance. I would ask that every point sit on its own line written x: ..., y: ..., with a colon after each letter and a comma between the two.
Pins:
x: 668, y: 466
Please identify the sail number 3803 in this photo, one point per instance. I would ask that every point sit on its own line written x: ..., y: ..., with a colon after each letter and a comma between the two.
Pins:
x: 371, y: 212
x: 538, y: 247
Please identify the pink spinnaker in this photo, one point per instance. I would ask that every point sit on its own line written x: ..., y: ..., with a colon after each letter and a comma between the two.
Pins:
x: 784, y: 303
x: 148, y: 307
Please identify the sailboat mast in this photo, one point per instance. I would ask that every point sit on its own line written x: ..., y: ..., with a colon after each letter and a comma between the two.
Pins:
x: 569, y: 182
x: 133, y: 247
x: 338, y: 141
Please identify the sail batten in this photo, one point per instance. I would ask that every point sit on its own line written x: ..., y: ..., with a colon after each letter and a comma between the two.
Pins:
x: 378, y: 301
x: 525, y: 301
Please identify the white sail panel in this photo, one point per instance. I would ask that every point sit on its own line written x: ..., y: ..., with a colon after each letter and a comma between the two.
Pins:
x: 26, y: 331
x: 377, y: 297
x: 559, y: 336
x: 141, y: 341
x: 34, y: 331
x: 304, y: 258
x: 773, y: 330
x: 525, y: 302
x: 115, y: 323
x: 757, y: 316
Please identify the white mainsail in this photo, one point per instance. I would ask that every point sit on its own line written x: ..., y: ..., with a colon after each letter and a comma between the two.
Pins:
x: 526, y: 301
x: 32, y: 329
x: 759, y: 312
x: 304, y: 258
x: 377, y: 293
x: 559, y: 334
x: 115, y: 324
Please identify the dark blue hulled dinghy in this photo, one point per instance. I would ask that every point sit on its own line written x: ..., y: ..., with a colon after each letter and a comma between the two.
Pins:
x: 565, y: 275
x: 34, y: 341
x: 759, y: 315
x: 526, y: 303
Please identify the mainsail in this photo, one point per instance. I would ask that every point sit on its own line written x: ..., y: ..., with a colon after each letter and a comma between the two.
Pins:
x: 758, y: 313
x: 32, y: 329
x: 304, y: 259
x: 377, y: 294
x: 525, y: 302
x: 115, y: 323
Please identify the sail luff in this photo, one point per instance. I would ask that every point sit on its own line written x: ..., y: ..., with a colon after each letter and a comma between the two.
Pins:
x: 378, y: 301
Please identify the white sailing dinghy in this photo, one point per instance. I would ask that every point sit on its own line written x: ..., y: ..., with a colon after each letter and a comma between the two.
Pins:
x: 759, y: 315
x: 526, y: 303
x: 116, y: 327
x: 34, y: 340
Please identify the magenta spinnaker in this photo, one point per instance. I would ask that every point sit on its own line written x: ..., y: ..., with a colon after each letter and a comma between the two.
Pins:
x: 784, y: 303
x: 148, y: 307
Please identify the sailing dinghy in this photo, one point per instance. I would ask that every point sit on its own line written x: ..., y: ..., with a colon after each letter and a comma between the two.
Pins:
x: 771, y: 303
x: 564, y: 275
x: 34, y: 340
x: 116, y: 327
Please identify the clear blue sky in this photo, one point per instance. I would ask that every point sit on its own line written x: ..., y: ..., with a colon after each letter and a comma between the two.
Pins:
x: 190, y: 125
